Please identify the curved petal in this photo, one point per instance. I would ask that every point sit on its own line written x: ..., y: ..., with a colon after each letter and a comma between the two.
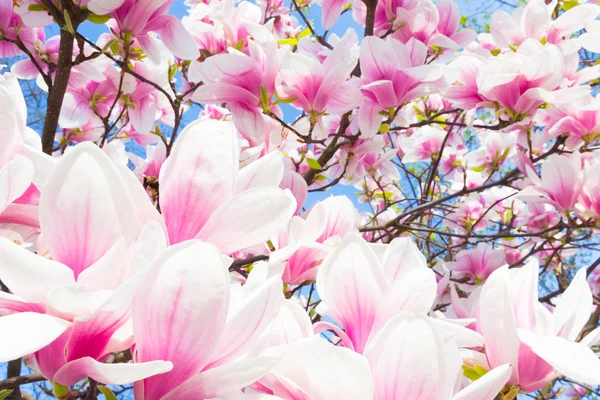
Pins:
x: 266, y: 171
x: 498, y: 324
x: 318, y: 370
x: 109, y: 271
x: 350, y: 282
x: 575, y: 360
x: 27, y: 332
x: 297, y: 185
x: 177, y: 39
x: 91, y: 334
x: 223, y: 380
x: 199, y: 175
x: 110, y: 374
x: 85, y: 208
x: 249, y: 321
x: 408, y: 358
x: 486, y: 387
x: 15, y: 178
x: 185, y: 295
x: 416, y: 293
x: 249, y: 218
x: 574, y: 307
x: 29, y: 275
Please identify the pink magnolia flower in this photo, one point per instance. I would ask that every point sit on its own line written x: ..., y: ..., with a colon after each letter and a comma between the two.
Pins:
x: 412, y: 358
x: 432, y: 24
x: 539, y: 344
x: 361, y: 291
x: 22, y: 164
x: 478, y: 263
x: 469, y: 215
x: 560, y: 184
x: 319, y: 87
x: 589, y: 199
x: 215, y: 323
x: 81, y: 105
x: 394, y: 74
x: 310, y: 237
x: 496, y: 149
x: 579, y: 121
x: 423, y: 145
x: 245, y: 82
x: 538, y: 216
x: 75, y: 303
x: 534, y: 21
x: 331, y: 11
x: 204, y: 194
x: 517, y: 81
x: 139, y: 17
x: 312, y: 368
x: 10, y: 28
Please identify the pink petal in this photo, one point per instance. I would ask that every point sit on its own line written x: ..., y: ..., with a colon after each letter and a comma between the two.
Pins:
x: 199, y: 176
x: 177, y: 39
x: 296, y: 184
x: 249, y: 218
x: 29, y: 275
x: 85, y: 208
x: 222, y: 380
x: 91, y: 334
x: 266, y: 171
x: 350, y: 282
x: 488, y: 386
x: 497, y: 323
x: 111, y: 374
x: 185, y: 295
x: 249, y: 321
x: 15, y: 178
x: 27, y: 332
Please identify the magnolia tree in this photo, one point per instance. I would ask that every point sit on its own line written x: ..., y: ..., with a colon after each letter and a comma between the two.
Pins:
x: 188, y: 260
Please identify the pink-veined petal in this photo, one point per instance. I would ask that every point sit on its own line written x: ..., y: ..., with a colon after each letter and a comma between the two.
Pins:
x: 185, y: 295
x: 111, y: 374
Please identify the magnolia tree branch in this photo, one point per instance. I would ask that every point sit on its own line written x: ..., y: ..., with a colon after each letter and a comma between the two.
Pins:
x: 16, y: 381
x: 56, y: 92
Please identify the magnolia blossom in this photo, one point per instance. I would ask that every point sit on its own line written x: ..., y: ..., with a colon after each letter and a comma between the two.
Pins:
x: 478, y: 263
x: 539, y: 344
x: 394, y: 73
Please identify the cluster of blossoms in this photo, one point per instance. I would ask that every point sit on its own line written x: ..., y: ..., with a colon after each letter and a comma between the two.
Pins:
x: 162, y: 232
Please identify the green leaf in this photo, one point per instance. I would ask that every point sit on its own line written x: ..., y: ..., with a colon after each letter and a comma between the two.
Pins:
x: 35, y: 7
x: 68, y: 24
x: 314, y: 164
x: 384, y: 128
x: 264, y: 98
x: 470, y: 373
x: 480, y: 370
x: 98, y: 19
x: 107, y: 393
x: 4, y: 393
x: 114, y: 47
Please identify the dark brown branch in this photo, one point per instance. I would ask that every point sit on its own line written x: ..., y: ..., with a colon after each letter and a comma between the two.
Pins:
x: 15, y: 382
x: 58, y: 89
